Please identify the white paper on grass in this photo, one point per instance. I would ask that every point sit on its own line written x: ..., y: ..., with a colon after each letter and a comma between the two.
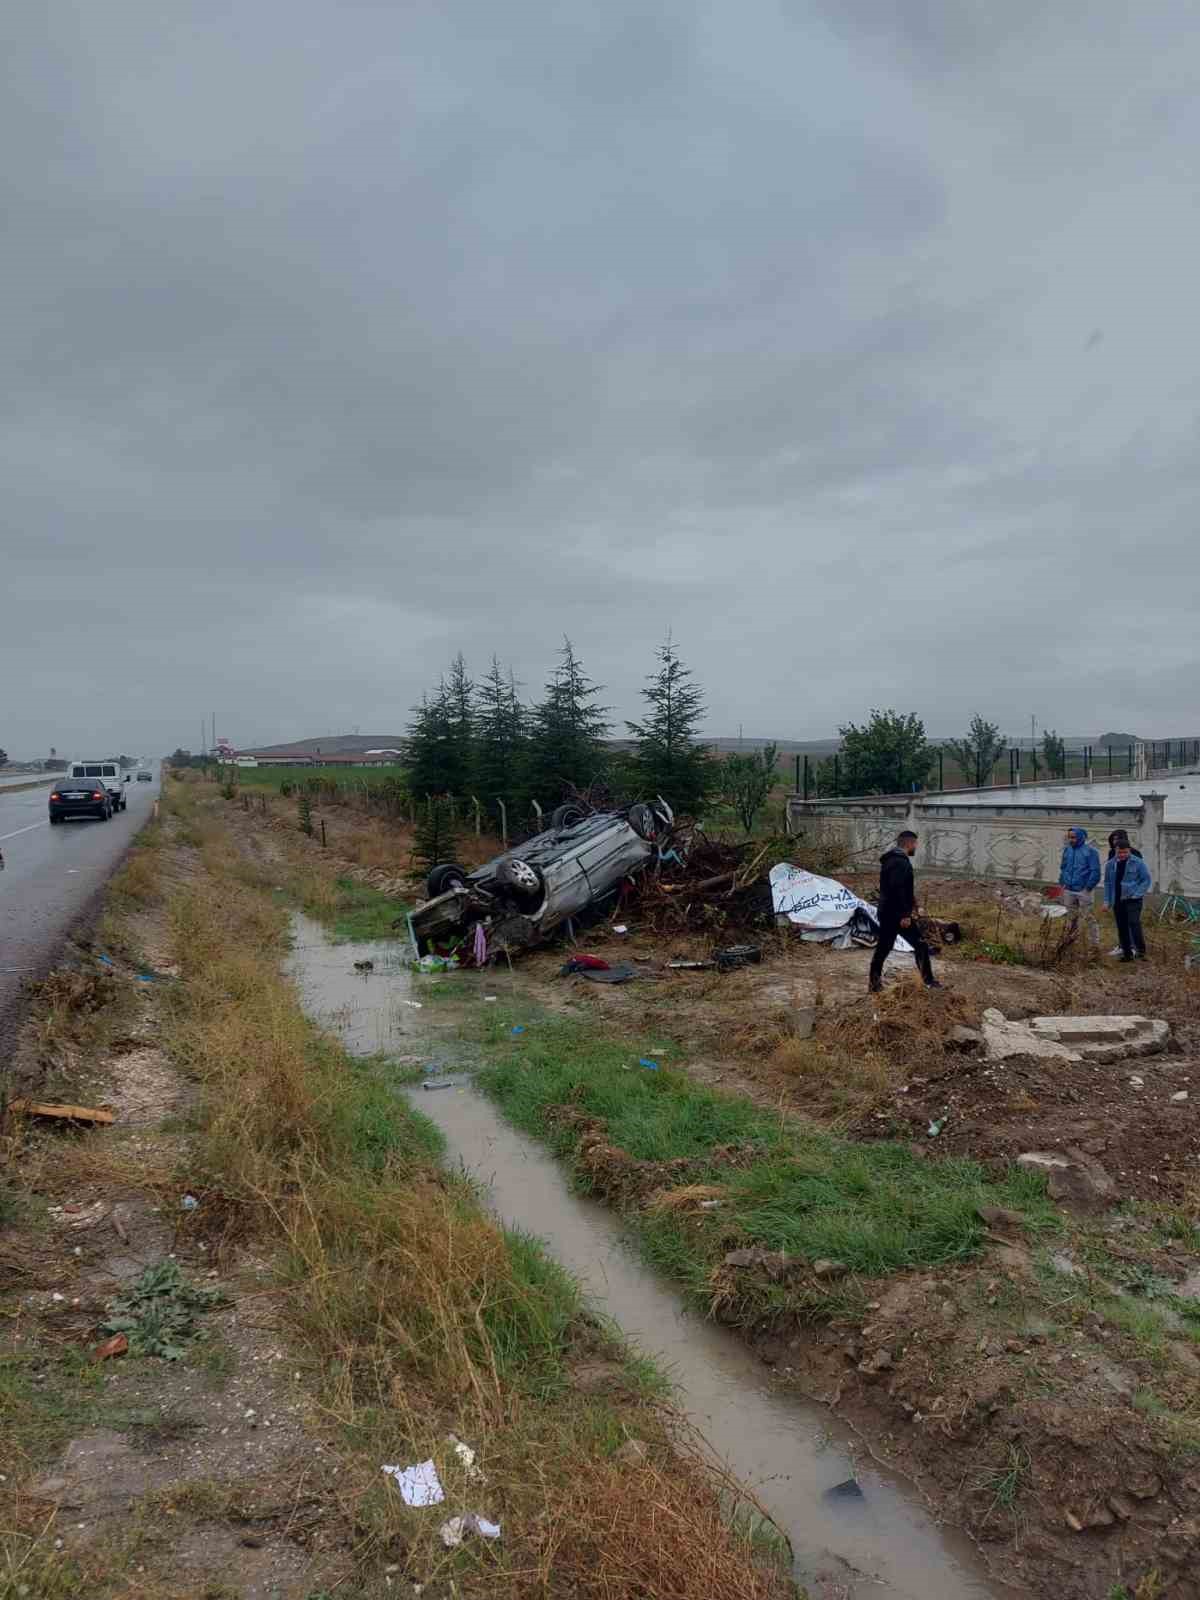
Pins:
x: 455, y: 1531
x: 822, y: 907
x: 419, y: 1484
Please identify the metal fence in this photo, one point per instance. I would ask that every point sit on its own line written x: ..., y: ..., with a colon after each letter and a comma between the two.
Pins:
x: 827, y: 777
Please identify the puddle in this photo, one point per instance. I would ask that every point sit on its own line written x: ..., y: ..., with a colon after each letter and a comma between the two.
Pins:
x: 790, y: 1452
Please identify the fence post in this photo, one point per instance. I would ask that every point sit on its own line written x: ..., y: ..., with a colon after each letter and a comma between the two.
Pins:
x: 805, y: 775
x: 798, y: 769
x: 322, y: 832
x: 941, y: 770
x: 837, y: 773
x: 503, y: 822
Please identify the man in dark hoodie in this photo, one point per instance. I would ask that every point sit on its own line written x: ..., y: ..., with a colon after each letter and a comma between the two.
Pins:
x: 898, y: 912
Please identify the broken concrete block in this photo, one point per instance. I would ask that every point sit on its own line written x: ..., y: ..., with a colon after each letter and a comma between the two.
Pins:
x: 1071, y: 1176
x: 1002, y: 1039
x: 964, y: 1039
x: 1099, y: 1038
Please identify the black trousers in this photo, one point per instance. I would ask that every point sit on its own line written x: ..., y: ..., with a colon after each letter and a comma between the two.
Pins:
x: 889, y: 931
x: 1129, y: 926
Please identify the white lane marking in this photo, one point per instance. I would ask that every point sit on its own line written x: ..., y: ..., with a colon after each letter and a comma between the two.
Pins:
x: 29, y: 829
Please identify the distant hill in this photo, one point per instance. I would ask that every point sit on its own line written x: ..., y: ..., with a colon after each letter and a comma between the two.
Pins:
x: 329, y: 744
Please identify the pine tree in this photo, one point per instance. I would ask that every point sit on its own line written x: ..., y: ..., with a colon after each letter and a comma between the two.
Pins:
x: 667, y: 759
x: 568, y: 731
x: 460, y: 708
x: 501, y: 740
x: 435, y: 838
x: 440, y: 753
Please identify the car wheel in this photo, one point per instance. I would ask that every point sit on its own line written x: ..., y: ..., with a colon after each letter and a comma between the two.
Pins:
x: 522, y: 877
x: 643, y: 822
x: 566, y: 816
x: 54, y: 821
x: 443, y: 878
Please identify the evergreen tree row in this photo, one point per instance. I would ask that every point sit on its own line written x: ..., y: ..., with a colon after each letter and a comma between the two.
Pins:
x: 478, y: 738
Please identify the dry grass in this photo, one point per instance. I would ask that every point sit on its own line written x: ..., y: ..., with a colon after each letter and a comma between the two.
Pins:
x: 837, y: 1084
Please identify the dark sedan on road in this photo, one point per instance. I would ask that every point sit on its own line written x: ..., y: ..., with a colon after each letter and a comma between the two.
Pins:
x: 80, y: 797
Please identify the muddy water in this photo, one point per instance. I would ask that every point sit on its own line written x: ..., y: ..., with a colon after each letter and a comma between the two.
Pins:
x: 789, y: 1452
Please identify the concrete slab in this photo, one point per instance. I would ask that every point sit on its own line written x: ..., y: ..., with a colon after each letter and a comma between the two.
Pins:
x: 1002, y: 1039
x: 1098, y: 1038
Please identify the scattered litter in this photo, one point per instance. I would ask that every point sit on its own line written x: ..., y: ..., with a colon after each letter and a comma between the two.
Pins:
x: 480, y: 946
x: 146, y: 977
x: 1138, y: 1083
x: 736, y: 955
x: 936, y: 1126
x: 623, y: 972
x: 709, y: 1205
x: 467, y: 1456
x: 691, y: 966
x: 433, y: 963
x: 415, y: 1004
x: 620, y: 927
x: 188, y: 1203
x: 442, y: 1083
x: 116, y: 1346
x: 419, y: 1484
x: 518, y: 1029
x: 364, y: 966
x: 1182, y: 1095
x: 455, y: 1531
x: 848, y: 1489
x: 1051, y: 913
x: 39, y: 1108
x: 583, y: 963
x: 433, y: 1068
x: 651, y: 1066
x: 107, y: 960
x: 489, y: 999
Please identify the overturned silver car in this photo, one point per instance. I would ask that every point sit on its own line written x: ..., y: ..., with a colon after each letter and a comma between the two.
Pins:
x: 520, y: 898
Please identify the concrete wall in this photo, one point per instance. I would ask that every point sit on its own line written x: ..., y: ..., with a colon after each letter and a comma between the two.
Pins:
x: 1003, y: 841
x: 1179, y: 859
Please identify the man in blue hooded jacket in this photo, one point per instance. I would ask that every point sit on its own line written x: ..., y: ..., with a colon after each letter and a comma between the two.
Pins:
x: 1127, y: 882
x: 1079, y: 873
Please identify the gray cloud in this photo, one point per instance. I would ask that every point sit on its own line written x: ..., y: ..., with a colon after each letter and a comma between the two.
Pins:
x: 849, y: 341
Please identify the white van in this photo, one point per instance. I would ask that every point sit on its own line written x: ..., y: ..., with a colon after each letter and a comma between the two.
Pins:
x: 110, y: 772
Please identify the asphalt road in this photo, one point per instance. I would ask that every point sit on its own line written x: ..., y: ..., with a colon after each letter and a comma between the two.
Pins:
x: 49, y: 884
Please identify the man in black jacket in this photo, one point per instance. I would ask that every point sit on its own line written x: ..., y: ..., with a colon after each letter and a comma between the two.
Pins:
x: 898, y: 912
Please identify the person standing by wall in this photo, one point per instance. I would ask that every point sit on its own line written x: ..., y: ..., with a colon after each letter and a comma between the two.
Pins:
x: 898, y: 912
x: 1116, y: 837
x: 1079, y: 873
x: 1126, y: 884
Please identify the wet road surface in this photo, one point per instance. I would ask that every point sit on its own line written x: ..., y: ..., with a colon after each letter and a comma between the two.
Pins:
x: 50, y: 880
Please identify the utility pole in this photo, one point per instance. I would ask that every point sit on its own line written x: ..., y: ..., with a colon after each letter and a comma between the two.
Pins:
x: 203, y: 739
x: 1033, y: 732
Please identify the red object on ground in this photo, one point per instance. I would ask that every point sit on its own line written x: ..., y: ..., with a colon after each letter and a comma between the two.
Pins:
x: 116, y: 1346
x: 1054, y: 892
x: 592, y: 963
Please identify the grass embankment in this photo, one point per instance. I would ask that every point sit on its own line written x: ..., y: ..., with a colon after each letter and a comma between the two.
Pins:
x: 421, y: 1317
x: 875, y: 1208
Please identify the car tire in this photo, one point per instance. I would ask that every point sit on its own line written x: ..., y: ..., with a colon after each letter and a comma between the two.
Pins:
x: 643, y: 822
x: 54, y: 821
x: 521, y: 878
x: 566, y: 816
x: 448, y: 875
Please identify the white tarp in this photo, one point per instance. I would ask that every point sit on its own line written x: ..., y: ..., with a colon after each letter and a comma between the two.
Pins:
x: 822, y: 908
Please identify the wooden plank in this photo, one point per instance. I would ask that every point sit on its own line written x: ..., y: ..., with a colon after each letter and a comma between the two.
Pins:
x: 38, y: 1108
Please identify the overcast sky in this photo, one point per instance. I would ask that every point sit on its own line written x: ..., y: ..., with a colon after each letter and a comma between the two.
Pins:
x: 853, y: 340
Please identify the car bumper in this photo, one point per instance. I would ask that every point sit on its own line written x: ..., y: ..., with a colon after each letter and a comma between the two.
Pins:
x: 80, y: 808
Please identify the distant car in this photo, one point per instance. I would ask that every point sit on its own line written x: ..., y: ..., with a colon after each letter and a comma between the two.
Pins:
x: 522, y: 896
x: 80, y: 797
x: 114, y: 782
x: 145, y: 777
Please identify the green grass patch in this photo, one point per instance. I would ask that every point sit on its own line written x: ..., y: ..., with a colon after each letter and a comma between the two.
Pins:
x: 877, y: 1207
x: 348, y: 778
x: 364, y: 914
